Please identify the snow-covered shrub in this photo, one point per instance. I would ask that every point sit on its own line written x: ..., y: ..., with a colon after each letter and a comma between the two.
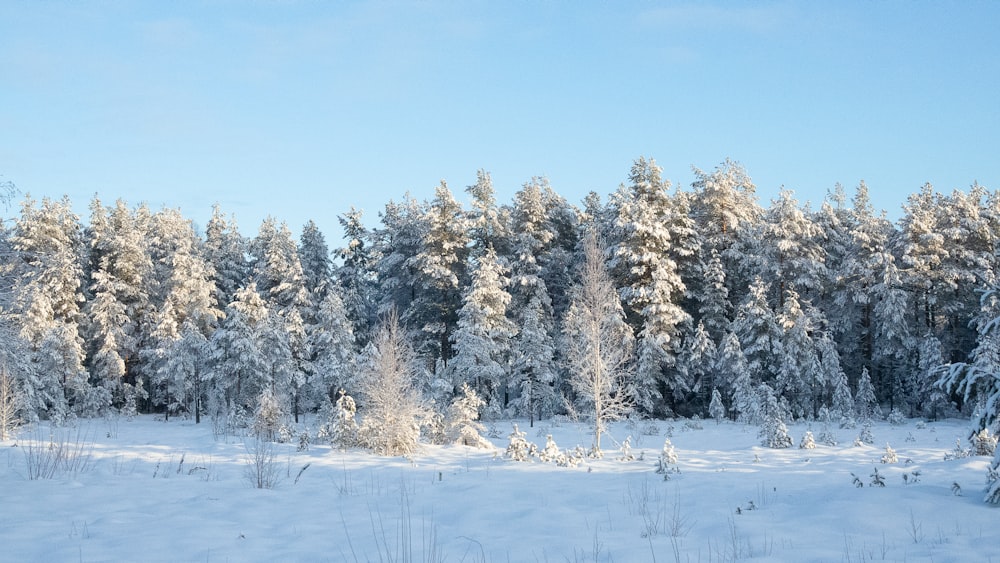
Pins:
x: 267, y: 417
x: 827, y: 438
x: 910, y: 437
x: 890, y: 455
x: 519, y: 448
x: 649, y: 428
x: 865, y: 436
x: 984, y: 443
x: 262, y: 468
x: 774, y: 434
x: 693, y: 425
x: 896, y: 418
x: 877, y: 479
x: 667, y: 458
x: 551, y: 451
x: 303, y: 442
x: 848, y: 422
x: 808, y: 442
x: 959, y: 452
x: 627, y: 450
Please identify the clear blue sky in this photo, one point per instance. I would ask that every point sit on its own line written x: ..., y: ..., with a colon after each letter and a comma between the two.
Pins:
x: 302, y: 109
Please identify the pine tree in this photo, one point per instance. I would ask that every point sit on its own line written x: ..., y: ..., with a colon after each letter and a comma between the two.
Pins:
x: 482, y: 340
x: 865, y: 403
x: 643, y: 259
x: 47, y: 297
x: 534, y: 365
x: 488, y: 225
x: 239, y: 362
x: 225, y: 251
x: 793, y: 257
x: 695, y: 367
x: 716, y: 409
x: 462, y: 426
x: 314, y: 256
x: 759, y: 334
x: 334, y: 348
x: 800, y: 375
x: 120, y: 312
x: 356, y: 276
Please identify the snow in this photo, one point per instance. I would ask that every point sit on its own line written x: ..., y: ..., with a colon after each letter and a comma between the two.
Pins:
x: 172, y: 491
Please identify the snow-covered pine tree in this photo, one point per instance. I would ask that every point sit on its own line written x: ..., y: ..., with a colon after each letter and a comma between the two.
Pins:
x: 185, y: 305
x: 759, y: 334
x: 712, y: 297
x: 793, y: 257
x: 773, y: 432
x: 461, y: 424
x: 716, y: 409
x: 643, y: 262
x: 314, y: 256
x: 47, y: 296
x: 727, y: 212
x: 281, y: 281
x: 334, y: 350
x: 598, y: 345
x: 843, y: 401
x: 892, y: 347
x: 119, y: 312
x: 534, y: 365
x: 865, y: 404
x: 488, y: 224
x: 696, y: 365
x: 482, y: 339
x: 442, y: 269
x: 979, y: 380
x: 392, y: 407
x: 225, y: 252
x: 800, y: 376
x: 239, y: 362
x: 356, y: 277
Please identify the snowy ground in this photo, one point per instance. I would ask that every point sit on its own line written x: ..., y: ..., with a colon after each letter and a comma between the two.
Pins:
x: 146, y: 490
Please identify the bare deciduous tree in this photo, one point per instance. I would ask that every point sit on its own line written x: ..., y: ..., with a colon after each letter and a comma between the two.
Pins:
x: 598, y: 344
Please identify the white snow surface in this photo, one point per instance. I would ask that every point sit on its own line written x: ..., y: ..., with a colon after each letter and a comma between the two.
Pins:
x: 732, y: 500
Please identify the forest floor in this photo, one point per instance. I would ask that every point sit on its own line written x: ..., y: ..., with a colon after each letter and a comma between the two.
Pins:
x: 149, y: 490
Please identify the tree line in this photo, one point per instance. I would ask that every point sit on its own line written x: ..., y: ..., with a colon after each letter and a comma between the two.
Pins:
x: 714, y: 304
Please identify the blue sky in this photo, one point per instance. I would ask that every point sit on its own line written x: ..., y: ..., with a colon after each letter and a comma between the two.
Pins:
x: 303, y: 109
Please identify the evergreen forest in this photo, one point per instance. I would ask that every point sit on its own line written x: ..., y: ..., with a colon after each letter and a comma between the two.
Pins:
x: 726, y: 306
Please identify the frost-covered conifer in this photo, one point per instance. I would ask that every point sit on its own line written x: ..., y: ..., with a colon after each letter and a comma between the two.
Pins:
x: 808, y: 442
x: 519, y: 448
x: 344, y: 433
x: 551, y: 452
x: 716, y: 409
x: 267, y: 417
x: 461, y: 424
x: 773, y: 432
x: 482, y: 339
x: 890, y: 455
x: 865, y: 403
x: 644, y: 258
x: 667, y: 457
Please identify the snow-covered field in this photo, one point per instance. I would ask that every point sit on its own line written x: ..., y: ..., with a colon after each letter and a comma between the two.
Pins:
x: 148, y: 490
